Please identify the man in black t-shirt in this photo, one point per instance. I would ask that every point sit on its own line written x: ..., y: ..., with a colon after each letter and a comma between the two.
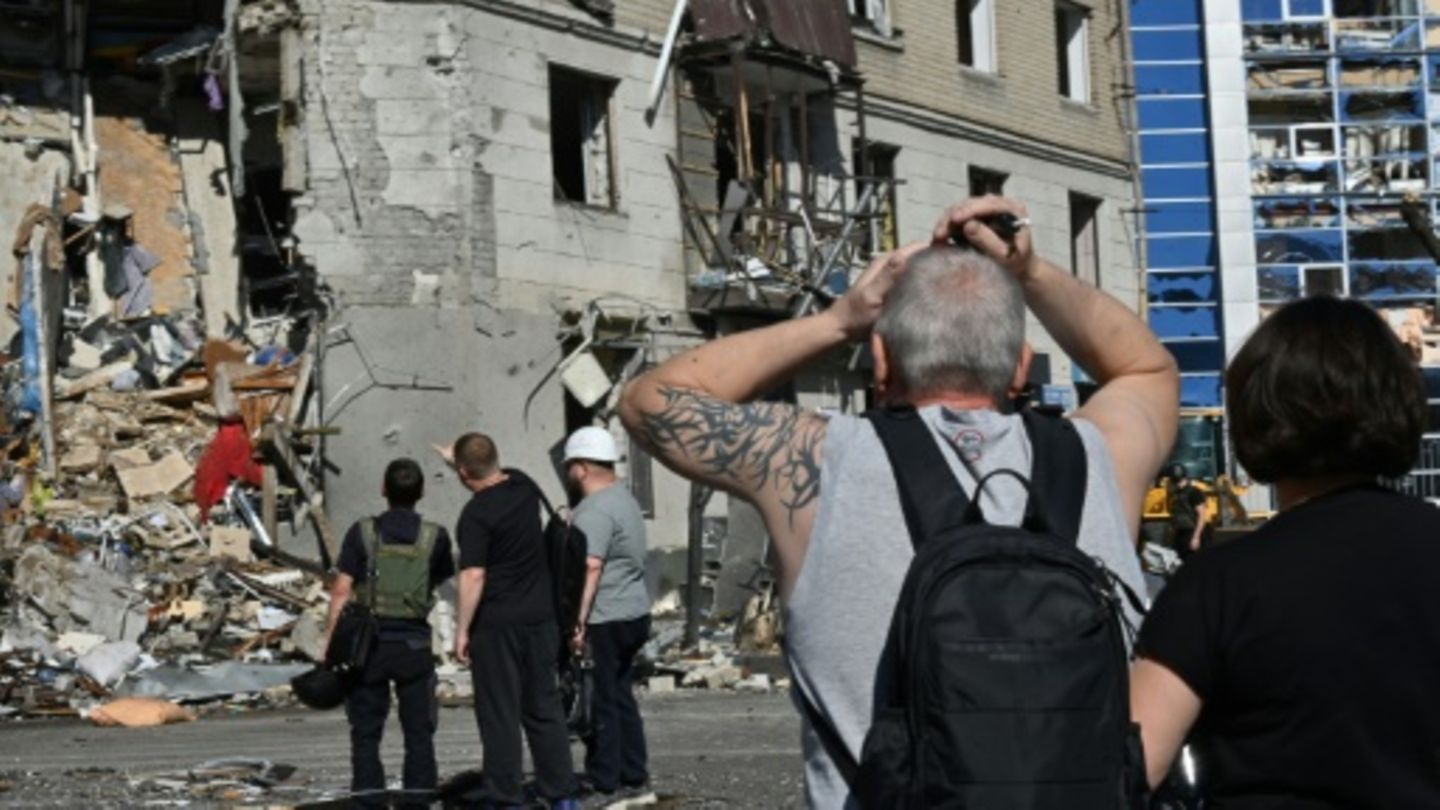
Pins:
x: 402, y: 655
x: 506, y: 618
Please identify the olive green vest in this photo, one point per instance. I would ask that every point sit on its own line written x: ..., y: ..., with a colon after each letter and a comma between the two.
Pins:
x: 397, y: 583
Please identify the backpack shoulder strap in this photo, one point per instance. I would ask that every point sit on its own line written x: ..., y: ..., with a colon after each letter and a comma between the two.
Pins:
x: 930, y: 495
x: 370, y: 539
x: 534, y: 487
x: 1059, y: 474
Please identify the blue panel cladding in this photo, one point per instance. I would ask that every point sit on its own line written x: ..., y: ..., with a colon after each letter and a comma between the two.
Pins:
x: 1178, y: 147
x: 1160, y: 183
x: 1169, y: 46
x: 1171, y: 113
x: 1165, y: 12
x: 1181, y: 288
x: 1200, y: 391
x: 1185, y: 322
x: 1180, y: 252
x: 1170, y: 80
x: 1177, y: 217
x: 1261, y: 10
x: 1198, y: 355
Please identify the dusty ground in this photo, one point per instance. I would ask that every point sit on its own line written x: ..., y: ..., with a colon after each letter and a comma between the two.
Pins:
x: 706, y: 750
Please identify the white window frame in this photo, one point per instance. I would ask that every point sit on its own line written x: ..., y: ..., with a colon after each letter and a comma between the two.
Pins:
x: 982, y: 36
x: 1077, y: 51
x: 1324, y: 9
x: 876, y: 12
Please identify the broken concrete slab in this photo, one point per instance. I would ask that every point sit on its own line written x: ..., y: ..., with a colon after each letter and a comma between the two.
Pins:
x: 202, y: 683
x: 107, y: 663
x: 160, y: 478
x: 130, y: 458
x: 81, y: 458
x: 84, y: 356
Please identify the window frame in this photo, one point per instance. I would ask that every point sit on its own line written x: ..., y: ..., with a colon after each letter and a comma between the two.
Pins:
x: 594, y: 84
x: 1073, y: 73
x: 979, y: 17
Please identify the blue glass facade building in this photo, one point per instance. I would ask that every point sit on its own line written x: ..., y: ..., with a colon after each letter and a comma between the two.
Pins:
x: 1277, y: 139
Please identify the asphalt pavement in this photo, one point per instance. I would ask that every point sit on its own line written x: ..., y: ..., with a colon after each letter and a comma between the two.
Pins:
x: 707, y: 749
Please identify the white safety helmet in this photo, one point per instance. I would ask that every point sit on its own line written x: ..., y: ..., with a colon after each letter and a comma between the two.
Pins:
x: 591, y: 444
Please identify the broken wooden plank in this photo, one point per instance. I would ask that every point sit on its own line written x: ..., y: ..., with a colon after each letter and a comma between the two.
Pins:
x: 275, y: 447
x: 69, y: 389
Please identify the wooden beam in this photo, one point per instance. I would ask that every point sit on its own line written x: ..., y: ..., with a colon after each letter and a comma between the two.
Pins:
x: 275, y: 447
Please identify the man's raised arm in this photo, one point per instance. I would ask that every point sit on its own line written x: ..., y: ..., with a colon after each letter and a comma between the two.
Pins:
x: 1137, y: 406
x: 693, y: 412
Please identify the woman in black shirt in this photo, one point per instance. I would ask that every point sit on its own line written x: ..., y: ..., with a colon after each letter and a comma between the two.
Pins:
x: 1303, y: 661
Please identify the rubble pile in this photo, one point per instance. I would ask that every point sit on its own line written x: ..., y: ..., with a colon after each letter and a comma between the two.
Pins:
x: 133, y: 561
x: 741, y: 656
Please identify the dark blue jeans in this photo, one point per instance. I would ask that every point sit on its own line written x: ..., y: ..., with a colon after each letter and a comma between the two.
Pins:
x: 615, y: 753
x: 407, y: 665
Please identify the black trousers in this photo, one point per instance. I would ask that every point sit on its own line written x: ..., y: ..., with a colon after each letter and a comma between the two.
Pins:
x: 615, y: 753
x: 407, y: 665
x: 516, y: 684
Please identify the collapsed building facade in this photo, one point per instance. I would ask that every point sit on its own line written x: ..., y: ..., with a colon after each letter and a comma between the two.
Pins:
x: 486, y: 215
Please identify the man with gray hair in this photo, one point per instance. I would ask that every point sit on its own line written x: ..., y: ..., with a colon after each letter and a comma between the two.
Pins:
x: 946, y: 326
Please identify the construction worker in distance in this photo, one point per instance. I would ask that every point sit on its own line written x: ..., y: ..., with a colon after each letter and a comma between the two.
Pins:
x: 614, y: 609
x: 394, y: 563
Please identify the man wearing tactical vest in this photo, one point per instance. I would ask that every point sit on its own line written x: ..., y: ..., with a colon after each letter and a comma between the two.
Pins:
x: 393, y: 563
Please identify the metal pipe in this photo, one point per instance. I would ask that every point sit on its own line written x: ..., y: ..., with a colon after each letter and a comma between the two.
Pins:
x: 662, y: 71
x: 695, y: 563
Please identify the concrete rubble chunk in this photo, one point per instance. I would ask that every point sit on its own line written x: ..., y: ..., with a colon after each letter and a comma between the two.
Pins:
x: 160, y: 478
x: 109, y: 662
x: 130, y: 458
x: 85, y: 356
x: 81, y: 458
x: 232, y: 542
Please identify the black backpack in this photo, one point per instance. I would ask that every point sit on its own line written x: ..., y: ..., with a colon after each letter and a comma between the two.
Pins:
x: 566, y: 548
x: 1004, y: 682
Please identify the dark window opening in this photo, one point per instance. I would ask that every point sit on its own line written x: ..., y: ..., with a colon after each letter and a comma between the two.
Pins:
x: 876, y: 162
x: 581, y: 149
x: 1085, y: 238
x: 965, y: 33
x: 986, y: 181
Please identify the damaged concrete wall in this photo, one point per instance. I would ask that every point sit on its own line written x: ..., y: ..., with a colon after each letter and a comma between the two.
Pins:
x: 431, y: 212
x: 28, y: 179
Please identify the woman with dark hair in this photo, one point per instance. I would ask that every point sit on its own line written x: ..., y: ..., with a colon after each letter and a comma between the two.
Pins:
x: 1303, y: 661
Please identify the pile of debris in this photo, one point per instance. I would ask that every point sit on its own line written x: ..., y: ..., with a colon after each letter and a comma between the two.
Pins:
x: 134, y: 561
x: 743, y: 655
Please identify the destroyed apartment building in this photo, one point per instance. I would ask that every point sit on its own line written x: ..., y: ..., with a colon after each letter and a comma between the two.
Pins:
x: 263, y: 246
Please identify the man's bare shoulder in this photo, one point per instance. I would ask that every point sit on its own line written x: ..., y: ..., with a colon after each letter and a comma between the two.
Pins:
x: 769, y: 452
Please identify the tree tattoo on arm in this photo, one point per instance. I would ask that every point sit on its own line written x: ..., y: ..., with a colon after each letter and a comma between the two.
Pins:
x: 746, y: 447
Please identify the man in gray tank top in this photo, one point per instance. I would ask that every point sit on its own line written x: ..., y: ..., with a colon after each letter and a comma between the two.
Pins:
x: 946, y: 326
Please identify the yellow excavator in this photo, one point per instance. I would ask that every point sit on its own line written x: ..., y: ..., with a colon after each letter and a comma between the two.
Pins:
x: 1199, y: 448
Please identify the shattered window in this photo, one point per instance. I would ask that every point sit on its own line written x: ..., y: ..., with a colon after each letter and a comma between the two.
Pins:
x: 1356, y: 36
x: 1296, y: 212
x: 1181, y: 288
x: 1392, y: 280
x: 581, y: 147
x: 1283, y: 247
x: 1386, y: 244
x: 1272, y: 39
x: 1278, y: 283
x: 1295, y: 177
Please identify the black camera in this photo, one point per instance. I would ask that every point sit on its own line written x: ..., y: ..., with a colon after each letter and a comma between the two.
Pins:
x: 1005, y: 226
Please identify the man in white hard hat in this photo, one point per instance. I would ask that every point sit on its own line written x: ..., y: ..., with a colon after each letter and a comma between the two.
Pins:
x: 614, y: 611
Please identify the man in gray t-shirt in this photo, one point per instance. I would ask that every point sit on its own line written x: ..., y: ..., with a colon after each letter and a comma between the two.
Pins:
x: 946, y: 327
x: 614, y: 611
